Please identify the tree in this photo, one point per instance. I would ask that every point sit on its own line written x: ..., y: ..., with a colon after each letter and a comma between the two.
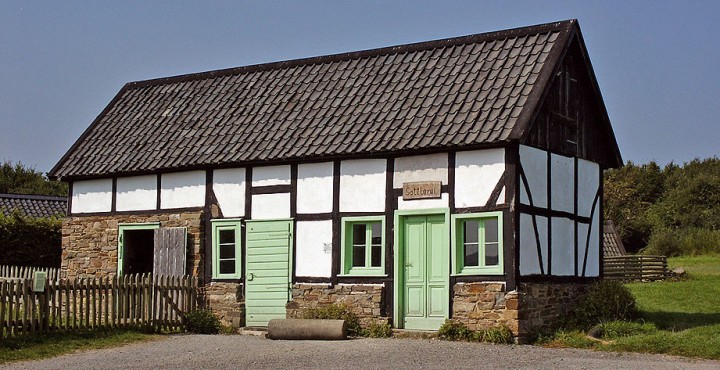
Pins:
x: 20, y: 179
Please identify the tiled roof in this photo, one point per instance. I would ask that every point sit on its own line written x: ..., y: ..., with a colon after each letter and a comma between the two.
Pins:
x: 468, y: 91
x: 612, y: 244
x: 33, y: 205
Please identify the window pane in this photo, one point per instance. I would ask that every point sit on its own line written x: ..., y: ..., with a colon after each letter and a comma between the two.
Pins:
x: 470, y: 232
x: 376, y: 260
x: 491, y: 254
x: 227, y: 267
x: 376, y: 233
x: 358, y: 255
x: 491, y: 230
x: 227, y: 251
x: 471, y: 254
x: 227, y: 236
x: 358, y: 234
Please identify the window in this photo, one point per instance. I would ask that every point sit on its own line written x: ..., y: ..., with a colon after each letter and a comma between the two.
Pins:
x: 363, y: 249
x: 226, y: 254
x: 477, y: 244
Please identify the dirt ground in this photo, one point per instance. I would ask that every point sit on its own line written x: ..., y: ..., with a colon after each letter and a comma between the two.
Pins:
x: 244, y: 351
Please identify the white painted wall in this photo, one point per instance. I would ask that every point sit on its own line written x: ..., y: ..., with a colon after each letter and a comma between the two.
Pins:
x: 476, y: 174
x: 593, y: 261
x: 443, y: 202
x: 271, y: 175
x: 315, y: 188
x: 229, y: 187
x: 529, y: 264
x: 588, y: 185
x: 92, y: 196
x: 431, y: 167
x: 362, y: 185
x: 136, y: 193
x: 270, y: 206
x: 311, y: 259
x: 501, y: 198
x: 534, y: 163
x: 182, y: 189
x: 563, y: 247
x: 562, y: 183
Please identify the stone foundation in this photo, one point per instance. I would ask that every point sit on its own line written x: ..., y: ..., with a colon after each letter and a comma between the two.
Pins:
x: 226, y: 301
x: 89, y: 243
x: 542, y: 305
x: 364, y: 300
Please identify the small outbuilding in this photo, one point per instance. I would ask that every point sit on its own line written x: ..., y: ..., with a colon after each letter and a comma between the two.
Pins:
x: 457, y: 178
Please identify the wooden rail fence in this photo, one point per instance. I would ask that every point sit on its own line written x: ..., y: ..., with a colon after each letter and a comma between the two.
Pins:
x: 130, y: 301
x: 635, y: 267
x: 26, y: 272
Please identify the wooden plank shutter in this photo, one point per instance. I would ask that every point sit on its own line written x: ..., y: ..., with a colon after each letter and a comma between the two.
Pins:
x: 170, y: 251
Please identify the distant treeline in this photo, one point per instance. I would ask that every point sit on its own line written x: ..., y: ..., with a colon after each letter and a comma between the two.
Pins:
x: 17, y: 178
x: 671, y: 210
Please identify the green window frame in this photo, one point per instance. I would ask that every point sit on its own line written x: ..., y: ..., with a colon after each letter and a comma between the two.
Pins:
x: 363, y: 246
x: 226, y: 252
x: 477, y: 243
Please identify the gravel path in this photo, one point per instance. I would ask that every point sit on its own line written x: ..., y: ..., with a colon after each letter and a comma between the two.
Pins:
x: 243, y: 351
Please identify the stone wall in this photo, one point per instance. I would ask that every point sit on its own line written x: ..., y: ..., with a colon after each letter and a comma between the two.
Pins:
x: 365, y: 300
x: 89, y: 243
x: 542, y: 305
x: 484, y: 305
x: 226, y: 302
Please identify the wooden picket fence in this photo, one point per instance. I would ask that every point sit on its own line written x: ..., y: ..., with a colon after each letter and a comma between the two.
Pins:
x: 635, y: 267
x: 27, y: 272
x: 132, y: 301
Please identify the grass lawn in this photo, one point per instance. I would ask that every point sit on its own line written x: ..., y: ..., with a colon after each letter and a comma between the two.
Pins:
x: 681, y: 318
x: 34, y: 348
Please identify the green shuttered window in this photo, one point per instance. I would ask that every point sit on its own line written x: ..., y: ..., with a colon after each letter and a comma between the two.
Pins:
x: 226, y: 254
x: 477, y: 244
x: 363, y: 246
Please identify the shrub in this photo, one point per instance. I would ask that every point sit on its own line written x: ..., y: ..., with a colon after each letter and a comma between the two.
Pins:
x: 663, y: 242
x: 375, y: 330
x: 496, y: 335
x: 202, y: 322
x: 336, y: 312
x: 605, y: 300
x: 454, y: 330
x: 28, y: 241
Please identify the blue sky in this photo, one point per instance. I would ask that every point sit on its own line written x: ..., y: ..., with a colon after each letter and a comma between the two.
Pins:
x: 62, y: 62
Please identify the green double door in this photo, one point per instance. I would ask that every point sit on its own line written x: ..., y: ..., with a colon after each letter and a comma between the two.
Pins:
x: 425, y: 289
x: 268, y: 264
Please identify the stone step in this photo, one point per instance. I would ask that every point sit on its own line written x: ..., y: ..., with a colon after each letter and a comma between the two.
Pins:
x: 256, y: 331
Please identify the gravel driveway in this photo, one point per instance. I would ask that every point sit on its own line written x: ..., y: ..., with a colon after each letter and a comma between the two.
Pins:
x: 244, y: 351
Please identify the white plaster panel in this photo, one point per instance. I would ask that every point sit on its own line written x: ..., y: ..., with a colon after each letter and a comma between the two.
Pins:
x: 588, y: 185
x: 362, y: 185
x: 315, y: 187
x: 562, y: 183
x: 136, y: 193
x: 270, y: 206
x: 563, y: 247
x: 593, y: 260
x: 534, y: 164
x: 271, y: 175
x: 92, y: 196
x: 431, y: 167
x: 501, y: 198
x: 311, y: 258
x: 229, y: 187
x: 476, y: 175
x: 529, y: 263
x: 443, y: 202
x: 582, y: 239
x: 182, y: 189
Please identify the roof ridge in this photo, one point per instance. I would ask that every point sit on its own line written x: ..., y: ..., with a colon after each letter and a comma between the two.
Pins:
x: 387, y: 50
x: 32, y: 196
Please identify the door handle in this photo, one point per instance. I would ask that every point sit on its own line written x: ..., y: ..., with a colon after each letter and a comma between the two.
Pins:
x: 250, y: 276
x: 408, y: 265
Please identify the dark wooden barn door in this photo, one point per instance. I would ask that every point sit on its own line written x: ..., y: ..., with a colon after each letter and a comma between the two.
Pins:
x: 170, y: 251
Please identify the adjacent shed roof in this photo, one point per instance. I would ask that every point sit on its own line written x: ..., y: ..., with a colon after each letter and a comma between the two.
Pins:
x: 33, y: 205
x: 460, y: 92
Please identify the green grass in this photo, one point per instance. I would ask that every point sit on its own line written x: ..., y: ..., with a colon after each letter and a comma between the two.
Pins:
x: 676, y: 317
x: 35, y: 348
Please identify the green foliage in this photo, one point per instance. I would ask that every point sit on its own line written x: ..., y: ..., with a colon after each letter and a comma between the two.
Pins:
x: 19, y: 179
x: 375, y: 330
x: 618, y: 329
x: 685, y: 241
x: 605, y: 300
x: 336, y: 312
x: 567, y: 338
x: 454, y: 330
x: 27, y: 241
x: 202, y: 322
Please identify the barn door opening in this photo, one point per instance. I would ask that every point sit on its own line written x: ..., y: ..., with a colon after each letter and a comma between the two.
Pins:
x: 147, y: 248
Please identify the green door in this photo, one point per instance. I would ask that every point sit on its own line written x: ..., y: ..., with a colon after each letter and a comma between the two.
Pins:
x: 267, y: 272
x: 425, y: 255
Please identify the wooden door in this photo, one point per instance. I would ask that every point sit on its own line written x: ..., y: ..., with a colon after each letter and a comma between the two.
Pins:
x: 267, y: 272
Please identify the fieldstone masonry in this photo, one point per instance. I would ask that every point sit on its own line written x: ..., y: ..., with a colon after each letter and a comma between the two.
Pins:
x: 365, y: 300
x: 226, y: 302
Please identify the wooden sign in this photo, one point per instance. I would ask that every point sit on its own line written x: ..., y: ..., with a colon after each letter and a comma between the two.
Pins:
x: 421, y: 190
